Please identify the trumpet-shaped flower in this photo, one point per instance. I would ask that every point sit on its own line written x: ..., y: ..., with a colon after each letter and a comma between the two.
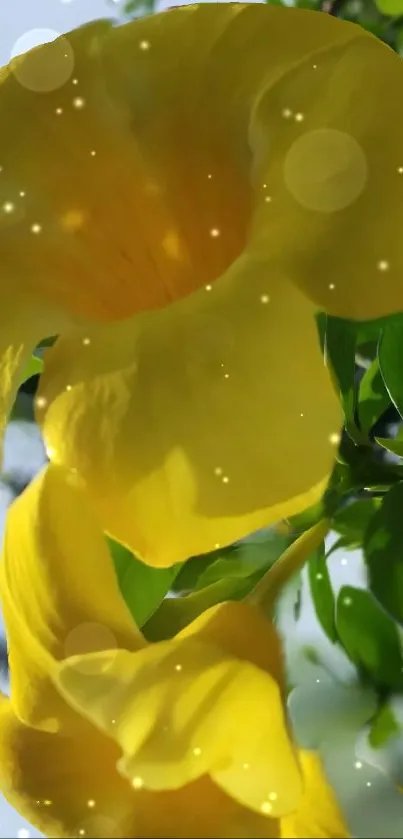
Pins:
x: 105, y: 735
x: 175, y: 216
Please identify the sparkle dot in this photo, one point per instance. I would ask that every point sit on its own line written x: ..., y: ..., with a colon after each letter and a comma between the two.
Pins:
x: 59, y: 111
x: 301, y: 414
x: 400, y: 170
x: 1, y: 168
x: 226, y: 375
x: 137, y: 782
x: 68, y: 387
x: 9, y: 207
x: 358, y: 764
x: 93, y: 153
x: 214, y: 232
x: 178, y: 667
x: 315, y: 66
x: 267, y: 199
x: 40, y: 402
x: 383, y: 265
x: 332, y: 286
x: 74, y: 81
x: 344, y: 562
x: 369, y: 784
x: 113, y: 722
x: 266, y: 808
x: 82, y: 831
x: 218, y: 470
x: 319, y: 576
x: 318, y: 681
x: 217, y: 546
x: 264, y: 186
x: 36, y: 228
x: 197, y: 751
x: 22, y: 194
x: 264, y: 298
x: 86, y: 341
x: 245, y: 766
x: 209, y: 176
x: 91, y: 803
x: 299, y: 117
x: 144, y: 45
x: 347, y: 601
x: 272, y: 796
x: 225, y: 479
x: 208, y: 287
x: 78, y: 102
x: 23, y: 833
x: 47, y: 802
x: 286, y: 113
x: 334, y: 439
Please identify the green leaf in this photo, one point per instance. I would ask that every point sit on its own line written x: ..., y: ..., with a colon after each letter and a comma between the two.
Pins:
x: 382, y: 727
x: 390, y: 353
x: 395, y: 446
x: 247, y: 558
x: 340, y: 347
x: 177, y: 612
x: 370, y: 637
x: 352, y: 520
x: 322, y: 593
x: 390, y: 7
x: 33, y: 368
x: 373, y: 399
x: 383, y: 543
x: 142, y: 587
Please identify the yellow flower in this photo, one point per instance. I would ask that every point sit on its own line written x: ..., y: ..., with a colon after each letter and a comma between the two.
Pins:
x: 174, y: 211
x: 107, y: 736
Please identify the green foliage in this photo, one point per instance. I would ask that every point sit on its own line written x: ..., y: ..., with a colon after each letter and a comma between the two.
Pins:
x: 322, y: 593
x: 143, y: 587
x: 382, y: 544
x: 366, y: 633
x: 382, y: 727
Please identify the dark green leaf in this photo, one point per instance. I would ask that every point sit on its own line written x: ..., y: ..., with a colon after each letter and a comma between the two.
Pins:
x: 142, y: 587
x: 383, y: 726
x: 383, y: 551
x: 390, y: 354
x: 322, y: 593
x: 369, y: 637
x: 340, y: 347
x: 353, y: 519
x: 395, y: 446
x: 373, y: 398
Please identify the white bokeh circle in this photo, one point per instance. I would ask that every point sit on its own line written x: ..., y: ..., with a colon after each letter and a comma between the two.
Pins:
x: 325, y: 170
x: 42, y: 70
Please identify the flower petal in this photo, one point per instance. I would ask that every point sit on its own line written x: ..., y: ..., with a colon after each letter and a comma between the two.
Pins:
x: 113, y: 172
x: 59, y: 593
x: 186, y: 708
x: 334, y: 168
x: 65, y: 785
x: 181, y: 422
x: 318, y: 814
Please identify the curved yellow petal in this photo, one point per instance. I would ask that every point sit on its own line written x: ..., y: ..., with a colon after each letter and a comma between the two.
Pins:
x: 318, y: 814
x: 334, y: 169
x: 69, y: 787
x: 66, y: 785
x: 181, y: 422
x: 189, y: 707
x: 117, y: 169
x: 59, y: 593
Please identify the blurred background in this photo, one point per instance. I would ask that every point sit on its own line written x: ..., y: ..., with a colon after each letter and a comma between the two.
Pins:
x: 329, y: 707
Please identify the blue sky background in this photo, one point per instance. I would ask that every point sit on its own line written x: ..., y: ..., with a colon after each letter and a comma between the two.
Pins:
x: 374, y: 807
